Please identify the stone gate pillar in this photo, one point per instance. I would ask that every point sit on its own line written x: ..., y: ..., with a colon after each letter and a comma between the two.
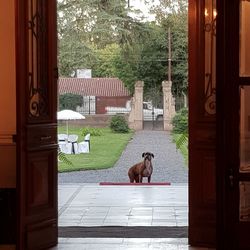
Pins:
x: 136, y: 114
x: 168, y: 105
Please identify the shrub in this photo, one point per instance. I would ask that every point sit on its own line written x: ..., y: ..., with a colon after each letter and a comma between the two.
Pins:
x: 91, y: 131
x: 119, y: 124
x: 180, y: 122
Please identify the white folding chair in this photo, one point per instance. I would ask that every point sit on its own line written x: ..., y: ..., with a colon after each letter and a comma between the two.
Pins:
x: 63, y: 144
x: 65, y: 147
x: 84, y: 146
x: 62, y: 137
x: 72, y: 139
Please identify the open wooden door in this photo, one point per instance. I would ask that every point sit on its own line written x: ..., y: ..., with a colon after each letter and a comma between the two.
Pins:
x: 36, y: 38
x: 233, y: 170
x: 202, y: 122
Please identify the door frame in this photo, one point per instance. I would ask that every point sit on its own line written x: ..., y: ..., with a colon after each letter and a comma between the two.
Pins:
x: 21, y: 79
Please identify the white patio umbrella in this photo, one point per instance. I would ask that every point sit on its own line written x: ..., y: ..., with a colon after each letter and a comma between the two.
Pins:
x: 67, y: 115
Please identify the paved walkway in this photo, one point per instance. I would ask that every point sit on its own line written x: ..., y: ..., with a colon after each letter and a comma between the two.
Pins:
x: 168, y: 163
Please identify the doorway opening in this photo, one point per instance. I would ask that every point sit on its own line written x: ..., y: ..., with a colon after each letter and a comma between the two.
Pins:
x: 131, y: 50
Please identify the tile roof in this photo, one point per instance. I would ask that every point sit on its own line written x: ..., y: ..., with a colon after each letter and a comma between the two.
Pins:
x: 92, y: 86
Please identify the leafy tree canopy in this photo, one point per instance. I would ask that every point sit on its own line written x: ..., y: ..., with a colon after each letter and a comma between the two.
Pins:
x: 102, y: 35
x: 87, y: 25
x: 173, y: 14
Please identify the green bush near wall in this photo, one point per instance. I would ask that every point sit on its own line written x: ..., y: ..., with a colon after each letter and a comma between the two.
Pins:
x: 180, y: 132
x: 180, y: 122
x: 119, y: 124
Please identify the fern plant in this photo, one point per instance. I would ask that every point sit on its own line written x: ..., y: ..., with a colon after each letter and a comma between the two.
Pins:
x: 63, y: 158
x: 180, y: 132
x: 181, y: 141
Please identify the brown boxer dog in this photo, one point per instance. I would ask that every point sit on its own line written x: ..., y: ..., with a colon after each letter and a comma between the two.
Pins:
x: 141, y: 169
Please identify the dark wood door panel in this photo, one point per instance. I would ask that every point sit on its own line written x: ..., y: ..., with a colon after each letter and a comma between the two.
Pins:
x: 36, y: 233
x: 233, y: 126
x: 41, y: 181
x: 41, y: 136
x: 202, y: 126
x: 36, y: 67
x: 202, y: 198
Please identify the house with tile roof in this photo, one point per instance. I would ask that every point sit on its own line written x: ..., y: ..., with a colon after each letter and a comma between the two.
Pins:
x: 97, y: 93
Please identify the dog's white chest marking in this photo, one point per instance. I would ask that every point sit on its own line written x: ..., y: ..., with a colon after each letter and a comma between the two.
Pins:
x: 148, y: 168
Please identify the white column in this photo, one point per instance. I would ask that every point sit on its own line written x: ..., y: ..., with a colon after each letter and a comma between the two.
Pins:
x: 136, y: 114
x: 168, y: 105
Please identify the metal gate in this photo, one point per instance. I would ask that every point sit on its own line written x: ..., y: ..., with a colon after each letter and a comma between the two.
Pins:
x: 88, y: 105
x: 153, y: 110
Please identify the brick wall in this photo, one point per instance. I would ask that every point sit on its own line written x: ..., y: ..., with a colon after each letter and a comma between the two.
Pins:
x: 97, y: 121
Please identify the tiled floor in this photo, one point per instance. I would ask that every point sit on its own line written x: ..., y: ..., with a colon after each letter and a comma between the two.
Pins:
x: 94, y: 205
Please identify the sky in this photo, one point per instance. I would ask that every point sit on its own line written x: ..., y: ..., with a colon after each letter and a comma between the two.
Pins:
x: 139, y: 4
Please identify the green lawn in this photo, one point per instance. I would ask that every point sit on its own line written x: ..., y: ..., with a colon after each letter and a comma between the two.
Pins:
x: 105, y: 150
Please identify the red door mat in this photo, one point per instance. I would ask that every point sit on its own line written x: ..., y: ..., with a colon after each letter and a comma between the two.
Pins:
x: 135, y: 184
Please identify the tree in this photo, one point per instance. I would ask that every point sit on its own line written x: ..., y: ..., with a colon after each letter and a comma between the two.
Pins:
x: 151, y: 67
x: 87, y: 25
x: 101, y: 35
x: 111, y: 63
x: 145, y: 59
x: 69, y: 101
x: 173, y: 14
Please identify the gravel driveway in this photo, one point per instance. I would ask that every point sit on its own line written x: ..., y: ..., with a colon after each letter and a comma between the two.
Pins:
x: 168, y: 163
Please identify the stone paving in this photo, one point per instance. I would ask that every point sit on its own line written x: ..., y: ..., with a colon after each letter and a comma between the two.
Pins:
x: 168, y: 163
x: 95, y: 205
